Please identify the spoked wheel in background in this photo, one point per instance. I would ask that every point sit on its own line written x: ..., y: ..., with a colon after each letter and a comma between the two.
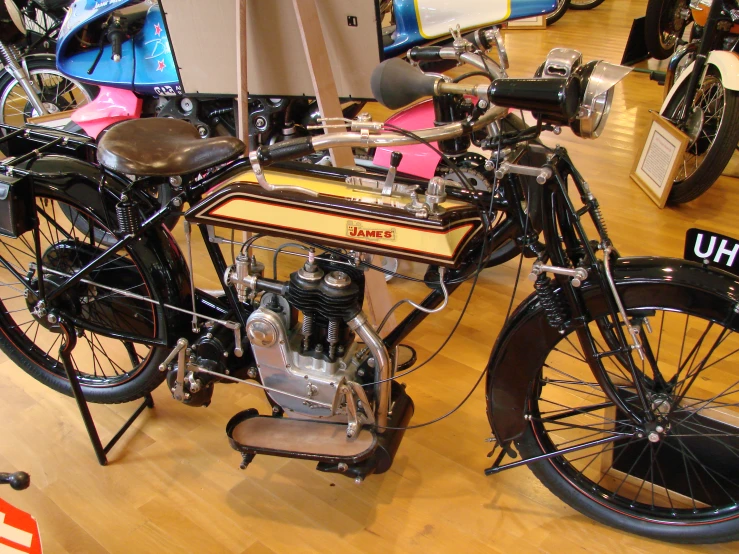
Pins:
x: 712, y: 124
x: 56, y: 92
x: 664, y: 25
x: 677, y: 482
x: 112, y: 357
x: 556, y: 15
x: 585, y: 4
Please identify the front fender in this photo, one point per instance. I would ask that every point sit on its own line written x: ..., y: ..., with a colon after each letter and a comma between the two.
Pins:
x: 727, y: 64
x: 527, y: 339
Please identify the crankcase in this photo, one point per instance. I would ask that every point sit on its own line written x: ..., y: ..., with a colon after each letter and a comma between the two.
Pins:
x: 342, y: 215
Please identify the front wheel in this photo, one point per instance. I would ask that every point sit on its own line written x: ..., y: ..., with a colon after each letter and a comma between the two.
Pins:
x: 676, y: 481
x: 711, y: 122
x: 664, y: 25
x: 56, y: 92
x: 556, y: 15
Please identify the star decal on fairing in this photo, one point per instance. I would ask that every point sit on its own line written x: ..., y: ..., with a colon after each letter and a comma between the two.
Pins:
x: 157, y: 29
x: 161, y: 65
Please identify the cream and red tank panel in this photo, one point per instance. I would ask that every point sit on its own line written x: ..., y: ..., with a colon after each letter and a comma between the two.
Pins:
x: 341, y: 216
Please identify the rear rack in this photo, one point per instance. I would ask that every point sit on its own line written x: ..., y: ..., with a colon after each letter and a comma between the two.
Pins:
x: 24, y: 144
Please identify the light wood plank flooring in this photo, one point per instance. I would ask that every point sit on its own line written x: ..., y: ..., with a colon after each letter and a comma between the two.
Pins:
x: 173, y: 484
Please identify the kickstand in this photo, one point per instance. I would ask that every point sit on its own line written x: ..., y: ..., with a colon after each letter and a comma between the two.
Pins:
x: 65, y: 354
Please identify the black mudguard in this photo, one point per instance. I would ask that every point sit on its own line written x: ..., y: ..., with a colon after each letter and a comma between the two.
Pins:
x: 74, y: 180
x: 649, y: 282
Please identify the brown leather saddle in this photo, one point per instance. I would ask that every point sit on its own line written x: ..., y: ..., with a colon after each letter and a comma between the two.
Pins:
x: 163, y: 147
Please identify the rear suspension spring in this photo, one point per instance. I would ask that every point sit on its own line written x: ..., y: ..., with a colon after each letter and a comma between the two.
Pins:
x: 129, y: 219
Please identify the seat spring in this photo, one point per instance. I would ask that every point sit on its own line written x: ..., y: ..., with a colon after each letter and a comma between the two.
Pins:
x: 129, y: 218
x: 551, y: 302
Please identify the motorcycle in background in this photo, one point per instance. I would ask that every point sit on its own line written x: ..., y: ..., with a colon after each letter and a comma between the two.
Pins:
x: 30, y: 84
x: 702, y: 97
x: 124, y: 45
x: 665, y: 23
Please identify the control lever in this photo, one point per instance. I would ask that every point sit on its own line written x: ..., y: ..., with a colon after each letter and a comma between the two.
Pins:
x: 395, y: 159
x: 19, y: 480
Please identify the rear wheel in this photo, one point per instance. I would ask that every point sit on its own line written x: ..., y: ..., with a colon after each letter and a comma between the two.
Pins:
x: 114, y: 358
x: 712, y: 126
x: 677, y: 481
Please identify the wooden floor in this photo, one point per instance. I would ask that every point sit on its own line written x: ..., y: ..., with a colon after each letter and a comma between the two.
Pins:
x: 173, y: 484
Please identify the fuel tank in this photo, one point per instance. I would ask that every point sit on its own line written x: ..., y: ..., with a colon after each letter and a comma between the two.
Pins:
x: 350, y: 212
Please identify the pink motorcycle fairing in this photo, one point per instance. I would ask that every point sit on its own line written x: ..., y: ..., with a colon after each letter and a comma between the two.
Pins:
x: 418, y: 159
x: 110, y: 106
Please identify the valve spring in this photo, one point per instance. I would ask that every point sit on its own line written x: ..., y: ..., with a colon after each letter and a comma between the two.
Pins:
x: 307, y: 329
x: 129, y: 218
x: 551, y: 302
x: 333, y: 331
x: 332, y: 337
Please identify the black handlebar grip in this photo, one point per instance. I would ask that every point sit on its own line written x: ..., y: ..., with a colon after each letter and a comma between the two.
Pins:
x: 115, y: 41
x: 19, y: 480
x: 425, y: 53
x: 285, y: 150
x: 395, y: 84
x: 558, y: 98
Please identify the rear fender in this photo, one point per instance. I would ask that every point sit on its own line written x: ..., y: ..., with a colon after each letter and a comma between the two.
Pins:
x: 524, y: 343
x: 73, y: 180
x: 727, y: 64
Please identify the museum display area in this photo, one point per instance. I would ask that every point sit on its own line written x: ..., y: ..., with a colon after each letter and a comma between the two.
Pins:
x: 210, y: 463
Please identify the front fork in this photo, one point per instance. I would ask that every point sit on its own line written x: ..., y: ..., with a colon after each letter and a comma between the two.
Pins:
x: 577, y: 246
x: 18, y: 69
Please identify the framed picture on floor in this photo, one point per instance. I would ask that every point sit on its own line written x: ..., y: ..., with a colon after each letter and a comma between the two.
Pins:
x: 660, y: 159
x: 538, y: 22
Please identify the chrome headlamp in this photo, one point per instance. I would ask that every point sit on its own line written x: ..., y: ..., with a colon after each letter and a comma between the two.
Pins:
x: 597, y: 80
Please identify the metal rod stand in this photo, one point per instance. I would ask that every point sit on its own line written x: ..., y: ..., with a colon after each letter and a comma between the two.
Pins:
x: 65, y: 354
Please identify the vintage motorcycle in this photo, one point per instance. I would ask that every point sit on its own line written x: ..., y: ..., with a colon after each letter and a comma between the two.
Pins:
x: 614, y: 381
x: 702, y: 97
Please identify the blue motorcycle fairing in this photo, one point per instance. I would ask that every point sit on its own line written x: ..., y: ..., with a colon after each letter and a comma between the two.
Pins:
x: 146, y: 65
x: 408, y: 33
x: 155, y: 67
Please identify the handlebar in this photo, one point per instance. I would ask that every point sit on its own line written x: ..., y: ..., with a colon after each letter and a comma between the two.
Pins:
x: 19, y: 480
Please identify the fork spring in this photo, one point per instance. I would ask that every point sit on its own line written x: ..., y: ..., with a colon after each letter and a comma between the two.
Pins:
x: 551, y: 302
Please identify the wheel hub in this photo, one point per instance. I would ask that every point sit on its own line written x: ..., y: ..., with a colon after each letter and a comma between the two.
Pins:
x: 694, y: 124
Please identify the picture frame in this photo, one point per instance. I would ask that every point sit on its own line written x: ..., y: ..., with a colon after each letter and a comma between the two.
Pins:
x: 659, y: 160
x: 537, y: 22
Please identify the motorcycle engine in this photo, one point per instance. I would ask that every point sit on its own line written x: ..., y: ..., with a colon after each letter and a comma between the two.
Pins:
x: 307, y: 360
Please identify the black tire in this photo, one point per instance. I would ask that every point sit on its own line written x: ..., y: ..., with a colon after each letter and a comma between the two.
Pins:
x: 70, y: 95
x: 556, y: 15
x: 707, y: 156
x: 627, y: 485
x: 585, y: 4
x: 664, y: 26
x: 110, y: 369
